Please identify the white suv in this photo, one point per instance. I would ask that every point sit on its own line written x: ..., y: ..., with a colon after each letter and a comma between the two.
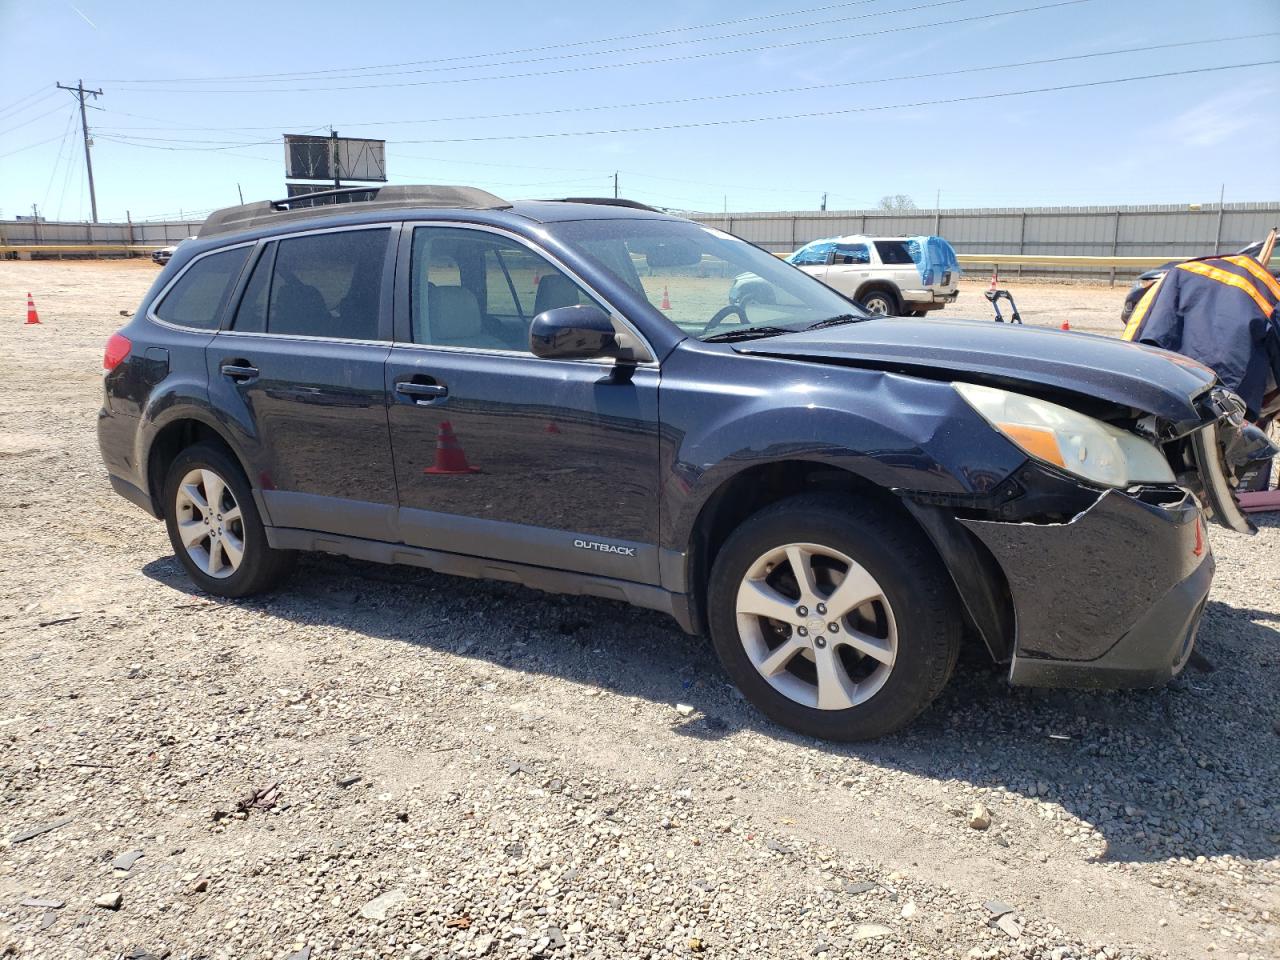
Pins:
x: 878, y: 273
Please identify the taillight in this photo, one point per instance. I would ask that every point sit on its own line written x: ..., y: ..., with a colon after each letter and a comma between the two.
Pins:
x: 118, y: 348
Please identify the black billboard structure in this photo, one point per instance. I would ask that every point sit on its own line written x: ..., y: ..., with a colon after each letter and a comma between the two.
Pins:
x: 332, y: 159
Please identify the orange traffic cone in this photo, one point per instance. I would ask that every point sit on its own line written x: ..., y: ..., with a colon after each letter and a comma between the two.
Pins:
x: 449, y: 456
x: 1066, y: 325
x: 995, y: 278
x: 666, y: 300
x: 551, y: 427
x: 32, y: 316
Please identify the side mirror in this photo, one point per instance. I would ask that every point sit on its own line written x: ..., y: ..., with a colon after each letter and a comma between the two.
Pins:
x: 579, y: 332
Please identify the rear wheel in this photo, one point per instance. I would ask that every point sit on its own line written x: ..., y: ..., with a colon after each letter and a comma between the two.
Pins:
x: 215, y: 528
x: 833, y: 618
x: 880, y: 303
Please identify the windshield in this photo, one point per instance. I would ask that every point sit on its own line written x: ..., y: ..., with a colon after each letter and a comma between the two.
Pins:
x: 708, y: 283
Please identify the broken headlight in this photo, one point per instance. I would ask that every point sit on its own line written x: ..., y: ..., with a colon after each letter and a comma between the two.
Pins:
x: 1081, y: 445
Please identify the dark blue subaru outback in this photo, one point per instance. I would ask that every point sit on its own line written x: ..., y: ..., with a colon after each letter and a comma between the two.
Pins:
x: 562, y: 394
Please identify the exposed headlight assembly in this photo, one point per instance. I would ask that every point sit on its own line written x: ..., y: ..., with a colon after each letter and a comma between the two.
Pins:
x: 1081, y: 445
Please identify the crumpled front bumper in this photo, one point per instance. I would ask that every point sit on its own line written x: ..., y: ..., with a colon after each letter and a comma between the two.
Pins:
x: 1112, y: 598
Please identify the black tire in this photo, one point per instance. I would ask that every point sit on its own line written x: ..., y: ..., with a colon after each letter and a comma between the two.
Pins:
x: 879, y: 301
x: 904, y: 564
x: 261, y: 567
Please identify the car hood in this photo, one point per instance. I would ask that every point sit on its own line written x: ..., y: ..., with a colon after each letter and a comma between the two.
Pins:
x: 1151, y: 380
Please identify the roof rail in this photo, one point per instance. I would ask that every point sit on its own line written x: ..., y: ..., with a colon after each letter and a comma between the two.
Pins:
x: 611, y: 202
x: 267, y: 212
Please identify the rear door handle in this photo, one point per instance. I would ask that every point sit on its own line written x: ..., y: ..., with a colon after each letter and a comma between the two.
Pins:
x: 422, y: 392
x: 239, y: 371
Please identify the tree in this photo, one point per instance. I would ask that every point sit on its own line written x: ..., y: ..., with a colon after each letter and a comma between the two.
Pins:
x: 897, y: 201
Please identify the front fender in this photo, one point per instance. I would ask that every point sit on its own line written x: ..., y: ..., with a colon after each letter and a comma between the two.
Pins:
x: 724, y: 413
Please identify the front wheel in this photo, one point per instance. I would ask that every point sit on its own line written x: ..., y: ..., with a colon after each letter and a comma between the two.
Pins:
x: 215, y: 528
x: 834, y: 618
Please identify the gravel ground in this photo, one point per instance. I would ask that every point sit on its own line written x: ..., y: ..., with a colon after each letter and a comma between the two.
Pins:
x: 383, y: 762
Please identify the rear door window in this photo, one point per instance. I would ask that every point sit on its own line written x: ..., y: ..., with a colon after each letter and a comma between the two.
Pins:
x: 200, y: 294
x: 852, y: 254
x: 323, y: 285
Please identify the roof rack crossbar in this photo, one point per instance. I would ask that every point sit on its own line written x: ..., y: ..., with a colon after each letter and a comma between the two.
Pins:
x: 287, y: 202
x: 611, y: 202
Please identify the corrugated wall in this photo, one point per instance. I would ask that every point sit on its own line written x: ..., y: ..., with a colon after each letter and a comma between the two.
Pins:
x: 1134, y: 231
x: 159, y: 233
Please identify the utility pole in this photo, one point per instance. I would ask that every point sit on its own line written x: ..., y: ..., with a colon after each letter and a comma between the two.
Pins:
x: 824, y: 202
x: 81, y: 93
x: 615, y: 184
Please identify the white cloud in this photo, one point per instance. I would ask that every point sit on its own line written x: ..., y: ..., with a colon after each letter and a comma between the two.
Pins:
x: 1220, y: 117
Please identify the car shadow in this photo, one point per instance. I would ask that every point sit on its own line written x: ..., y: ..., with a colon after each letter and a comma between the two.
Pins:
x: 1157, y: 773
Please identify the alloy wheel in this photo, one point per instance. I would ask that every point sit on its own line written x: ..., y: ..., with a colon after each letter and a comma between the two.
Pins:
x: 210, y: 524
x: 877, y: 307
x: 817, y: 626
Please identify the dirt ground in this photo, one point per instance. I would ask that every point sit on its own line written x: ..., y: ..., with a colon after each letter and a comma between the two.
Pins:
x: 464, y: 768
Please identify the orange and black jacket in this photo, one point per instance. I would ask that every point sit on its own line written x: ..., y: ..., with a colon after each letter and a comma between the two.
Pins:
x: 1222, y: 312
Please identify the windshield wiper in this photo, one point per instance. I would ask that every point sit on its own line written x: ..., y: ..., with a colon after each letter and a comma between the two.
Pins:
x: 837, y: 321
x: 749, y: 333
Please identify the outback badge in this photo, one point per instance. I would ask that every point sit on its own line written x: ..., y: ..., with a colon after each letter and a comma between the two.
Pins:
x: 605, y: 547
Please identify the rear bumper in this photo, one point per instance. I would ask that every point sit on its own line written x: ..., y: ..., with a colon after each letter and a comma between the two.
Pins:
x: 135, y: 495
x: 116, y: 435
x: 1111, y: 599
x: 928, y: 299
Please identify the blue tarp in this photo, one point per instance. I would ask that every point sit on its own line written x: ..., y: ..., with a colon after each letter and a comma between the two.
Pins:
x: 933, y: 257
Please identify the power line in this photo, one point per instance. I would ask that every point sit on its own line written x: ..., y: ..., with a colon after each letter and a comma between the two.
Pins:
x: 38, y: 116
x: 933, y: 25
x: 794, y: 116
x: 53, y: 172
x: 849, y: 110
x: 127, y: 131
x: 19, y: 105
x: 662, y: 45
x: 319, y: 74
x: 29, y: 146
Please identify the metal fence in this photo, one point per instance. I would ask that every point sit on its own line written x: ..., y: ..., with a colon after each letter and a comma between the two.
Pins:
x: 1166, y: 231
x: 1163, y: 231
x: 44, y: 232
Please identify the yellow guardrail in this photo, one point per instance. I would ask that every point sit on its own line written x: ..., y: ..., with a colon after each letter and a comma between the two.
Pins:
x: 80, y: 247
x: 1031, y: 260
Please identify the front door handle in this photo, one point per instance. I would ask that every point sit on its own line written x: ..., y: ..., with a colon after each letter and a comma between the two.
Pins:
x: 422, y: 392
x: 239, y: 371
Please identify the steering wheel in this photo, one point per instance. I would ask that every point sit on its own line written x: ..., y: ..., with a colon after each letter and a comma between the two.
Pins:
x: 724, y: 312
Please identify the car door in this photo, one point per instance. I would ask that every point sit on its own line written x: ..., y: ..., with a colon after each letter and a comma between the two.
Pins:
x: 300, y: 371
x: 849, y: 268
x: 501, y: 454
x: 813, y: 258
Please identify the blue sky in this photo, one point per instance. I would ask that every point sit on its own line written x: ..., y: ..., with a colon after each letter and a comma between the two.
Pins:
x: 171, y: 136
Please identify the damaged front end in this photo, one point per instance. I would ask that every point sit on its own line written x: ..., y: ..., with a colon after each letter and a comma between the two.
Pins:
x: 1079, y: 583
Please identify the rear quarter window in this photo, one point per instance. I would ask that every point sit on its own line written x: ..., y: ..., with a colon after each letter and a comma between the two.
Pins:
x: 198, y: 297
x: 894, y: 252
